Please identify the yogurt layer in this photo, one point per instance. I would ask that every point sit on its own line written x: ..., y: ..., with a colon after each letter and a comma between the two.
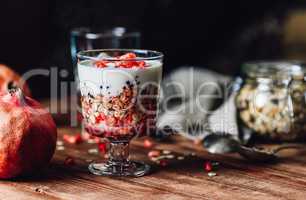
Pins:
x: 110, y: 81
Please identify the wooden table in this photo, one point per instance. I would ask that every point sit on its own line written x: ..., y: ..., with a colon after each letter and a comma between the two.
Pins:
x: 181, y: 179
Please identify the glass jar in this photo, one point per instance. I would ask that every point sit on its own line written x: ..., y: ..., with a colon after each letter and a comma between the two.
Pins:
x: 271, y: 101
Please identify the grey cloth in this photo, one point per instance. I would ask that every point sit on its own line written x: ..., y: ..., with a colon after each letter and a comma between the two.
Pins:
x: 196, y: 102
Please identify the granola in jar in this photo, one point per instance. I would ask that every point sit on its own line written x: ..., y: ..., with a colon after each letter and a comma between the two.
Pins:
x: 272, y: 100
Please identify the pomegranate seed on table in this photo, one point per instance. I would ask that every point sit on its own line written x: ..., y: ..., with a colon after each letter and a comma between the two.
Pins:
x: 73, y: 139
x: 207, y: 166
x: 147, y: 143
x: 128, y: 56
x: 102, y: 147
x: 60, y: 148
x: 153, y: 153
x: 86, y: 136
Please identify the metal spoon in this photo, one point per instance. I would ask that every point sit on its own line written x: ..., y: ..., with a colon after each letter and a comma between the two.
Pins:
x: 222, y: 143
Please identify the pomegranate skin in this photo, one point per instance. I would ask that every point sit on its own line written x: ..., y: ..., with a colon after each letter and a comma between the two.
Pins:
x: 8, y: 78
x: 27, y: 135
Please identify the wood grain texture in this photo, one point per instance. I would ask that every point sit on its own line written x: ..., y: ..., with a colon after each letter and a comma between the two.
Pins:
x: 181, y: 179
x: 186, y: 179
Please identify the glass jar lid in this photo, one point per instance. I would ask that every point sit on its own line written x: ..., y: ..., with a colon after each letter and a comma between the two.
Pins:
x: 275, y: 70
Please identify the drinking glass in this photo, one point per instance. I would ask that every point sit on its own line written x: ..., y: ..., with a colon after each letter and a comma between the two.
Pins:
x: 84, y: 38
x: 119, y: 103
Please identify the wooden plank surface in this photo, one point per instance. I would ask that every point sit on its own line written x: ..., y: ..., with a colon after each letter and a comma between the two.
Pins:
x: 186, y: 179
x: 181, y: 179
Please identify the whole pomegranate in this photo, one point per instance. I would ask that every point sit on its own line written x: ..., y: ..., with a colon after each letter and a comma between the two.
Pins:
x: 27, y: 135
x: 9, y: 78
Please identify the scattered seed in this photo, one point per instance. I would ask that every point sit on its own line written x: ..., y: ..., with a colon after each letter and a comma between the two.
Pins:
x: 93, y: 151
x: 207, y: 166
x: 170, y: 156
x: 73, y: 139
x: 102, y: 147
x: 162, y: 157
x: 215, y: 164
x: 59, y: 143
x: 91, y: 141
x: 88, y: 160
x: 190, y: 154
x: 86, y: 136
x: 211, y: 174
x: 166, y: 152
x: 154, y: 159
x: 181, y: 158
x: 147, y: 143
x: 154, y: 153
x: 60, y: 148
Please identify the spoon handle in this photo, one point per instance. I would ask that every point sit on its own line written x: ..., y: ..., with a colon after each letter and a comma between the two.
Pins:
x: 289, y: 146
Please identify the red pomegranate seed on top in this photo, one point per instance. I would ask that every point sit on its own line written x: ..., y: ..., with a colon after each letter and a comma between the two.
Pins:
x: 141, y: 64
x: 101, y: 63
x: 128, y: 56
x: 125, y: 61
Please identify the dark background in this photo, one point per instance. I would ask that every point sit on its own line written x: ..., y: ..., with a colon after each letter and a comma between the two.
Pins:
x: 218, y: 35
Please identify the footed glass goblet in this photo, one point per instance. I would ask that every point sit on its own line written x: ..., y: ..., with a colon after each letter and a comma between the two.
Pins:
x: 119, y: 91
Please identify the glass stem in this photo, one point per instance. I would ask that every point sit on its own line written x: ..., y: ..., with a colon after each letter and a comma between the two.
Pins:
x: 119, y: 152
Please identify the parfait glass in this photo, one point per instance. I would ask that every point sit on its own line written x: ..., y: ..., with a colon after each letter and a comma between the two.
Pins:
x: 119, y: 99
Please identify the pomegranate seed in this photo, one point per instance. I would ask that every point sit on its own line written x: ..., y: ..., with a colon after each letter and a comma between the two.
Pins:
x: 207, y: 166
x: 101, y: 64
x: 102, y: 147
x: 141, y: 64
x: 126, y: 61
x: 153, y: 154
x: 128, y: 56
x: 73, y: 139
x: 147, y: 143
x: 100, y: 118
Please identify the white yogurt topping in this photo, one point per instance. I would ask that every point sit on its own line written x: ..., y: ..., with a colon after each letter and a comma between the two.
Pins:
x: 109, y: 81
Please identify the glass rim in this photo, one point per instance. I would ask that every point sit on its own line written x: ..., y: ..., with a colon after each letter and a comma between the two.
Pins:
x: 274, y: 69
x: 158, y: 55
x: 88, y: 33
